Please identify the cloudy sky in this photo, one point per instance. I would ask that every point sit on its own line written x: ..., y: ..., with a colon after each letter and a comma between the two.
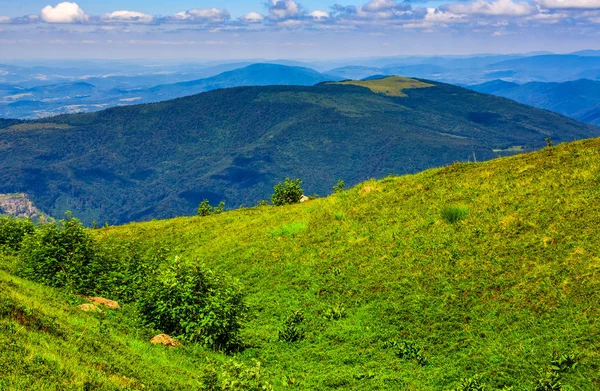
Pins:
x: 300, y: 29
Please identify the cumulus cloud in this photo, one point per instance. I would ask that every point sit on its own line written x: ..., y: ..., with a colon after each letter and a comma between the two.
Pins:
x: 283, y: 9
x: 252, y: 17
x: 128, y: 16
x: 5, y: 19
x: 319, y: 15
x: 379, y: 5
x: 383, y: 9
x: 65, y: 12
x: 493, y: 8
x: 207, y: 15
x: 569, y: 4
x: 436, y: 16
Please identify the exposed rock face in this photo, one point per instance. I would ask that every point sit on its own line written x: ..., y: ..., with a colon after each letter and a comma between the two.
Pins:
x: 113, y: 305
x: 18, y: 205
x: 304, y: 198
x: 164, y: 339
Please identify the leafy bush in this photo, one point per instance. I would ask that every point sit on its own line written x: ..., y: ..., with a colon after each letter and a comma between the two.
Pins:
x: 473, y: 384
x: 288, y: 192
x: 204, y: 209
x: 238, y: 377
x: 408, y: 351
x: 62, y: 254
x: 292, y: 330
x: 195, y: 305
x: 549, y: 381
x: 339, y: 187
x: 335, y: 312
x: 562, y: 363
x: 13, y: 231
x: 452, y: 213
x: 262, y: 203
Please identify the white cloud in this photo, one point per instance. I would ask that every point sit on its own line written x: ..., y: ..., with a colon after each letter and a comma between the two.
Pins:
x: 128, y: 16
x: 379, y: 5
x: 64, y: 13
x: 435, y: 16
x: 383, y: 9
x: 493, y: 8
x: 283, y: 9
x: 5, y: 19
x: 319, y: 15
x: 252, y: 17
x: 569, y: 4
x: 209, y: 15
x: 290, y: 23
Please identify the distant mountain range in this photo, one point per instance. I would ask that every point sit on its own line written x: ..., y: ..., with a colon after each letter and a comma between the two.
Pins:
x: 67, y: 98
x: 579, y: 99
x: 43, y: 91
x: 109, y: 84
x: 160, y: 160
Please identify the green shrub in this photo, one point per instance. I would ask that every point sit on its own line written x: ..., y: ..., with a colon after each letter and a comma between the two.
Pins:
x: 453, y: 213
x: 562, y: 363
x: 473, y: 384
x: 339, y: 187
x: 196, y: 305
x: 204, y: 209
x: 408, y: 351
x: 13, y: 231
x: 336, y: 312
x: 62, y: 254
x: 262, y: 203
x: 549, y: 381
x: 239, y: 377
x: 219, y: 208
x: 292, y: 330
x: 288, y: 192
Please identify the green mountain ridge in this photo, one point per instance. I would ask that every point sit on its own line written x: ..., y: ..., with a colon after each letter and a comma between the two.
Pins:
x: 161, y: 160
x: 573, y: 98
x: 396, y: 293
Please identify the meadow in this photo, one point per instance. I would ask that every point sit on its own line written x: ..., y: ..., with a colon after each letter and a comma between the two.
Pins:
x: 468, y: 277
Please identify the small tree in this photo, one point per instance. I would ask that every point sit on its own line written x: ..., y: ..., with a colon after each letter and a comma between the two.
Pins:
x: 288, y: 192
x: 204, y: 209
x: 62, y: 254
x: 13, y: 231
x: 219, y: 208
x: 339, y: 187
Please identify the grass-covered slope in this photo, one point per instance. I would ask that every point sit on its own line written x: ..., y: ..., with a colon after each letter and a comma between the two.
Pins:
x: 390, y: 86
x: 161, y: 160
x: 515, y: 277
x: 47, y: 343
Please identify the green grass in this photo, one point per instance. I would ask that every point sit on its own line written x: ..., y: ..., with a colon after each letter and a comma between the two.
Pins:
x: 390, y: 86
x: 393, y: 296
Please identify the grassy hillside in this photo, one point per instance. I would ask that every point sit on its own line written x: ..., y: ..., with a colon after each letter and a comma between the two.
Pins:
x: 161, y: 160
x: 390, y: 86
x: 486, y: 269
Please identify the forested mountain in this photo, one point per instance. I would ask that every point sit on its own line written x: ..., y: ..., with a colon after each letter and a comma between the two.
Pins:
x: 575, y: 99
x: 160, y: 160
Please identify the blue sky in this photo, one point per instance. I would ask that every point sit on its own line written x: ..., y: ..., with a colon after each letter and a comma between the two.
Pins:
x: 299, y: 29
